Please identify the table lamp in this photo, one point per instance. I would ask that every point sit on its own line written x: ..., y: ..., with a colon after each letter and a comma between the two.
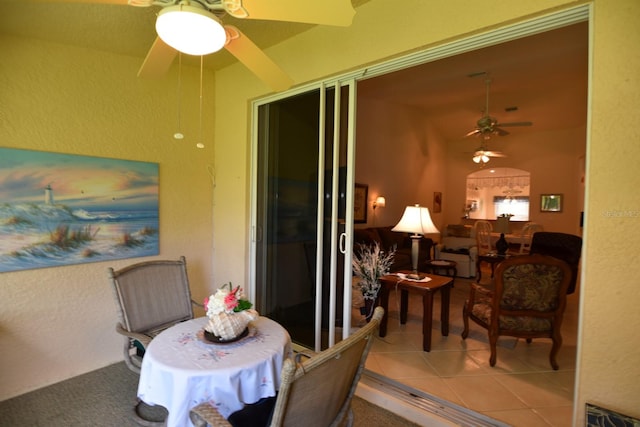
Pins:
x: 417, y: 221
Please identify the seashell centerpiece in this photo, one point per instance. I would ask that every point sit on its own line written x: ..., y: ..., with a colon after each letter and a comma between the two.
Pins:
x: 229, y: 313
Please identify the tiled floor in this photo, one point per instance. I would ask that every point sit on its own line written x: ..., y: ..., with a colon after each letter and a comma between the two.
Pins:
x: 521, y: 390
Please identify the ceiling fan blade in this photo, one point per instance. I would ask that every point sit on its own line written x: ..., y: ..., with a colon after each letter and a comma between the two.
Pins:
x: 256, y: 60
x: 516, y: 124
x: 120, y: 2
x: 325, y: 12
x: 473, y: 132
x: 158, y: 60
x: 500, y: 132
x: 495, y: 154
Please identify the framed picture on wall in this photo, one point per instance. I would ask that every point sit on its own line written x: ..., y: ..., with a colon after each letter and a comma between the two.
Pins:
x: 551, y: 203
x: 63, y: 209
x: 437, y: 202
x: 360, y: 196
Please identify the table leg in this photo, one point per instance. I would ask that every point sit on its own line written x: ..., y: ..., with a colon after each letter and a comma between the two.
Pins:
x: 427, y: 313
x: 404, y: 306
x: 445, y: 294
x: 384, y: 303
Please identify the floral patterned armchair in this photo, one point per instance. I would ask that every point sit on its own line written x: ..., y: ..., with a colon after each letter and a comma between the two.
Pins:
x: 528, y: 302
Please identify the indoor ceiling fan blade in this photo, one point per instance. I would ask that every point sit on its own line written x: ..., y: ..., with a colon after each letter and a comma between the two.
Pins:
x: 158, y: 60
x: 473, y: 133
x: 256, y: 60
x: 516, y: 124
x: 500, y: 132
x: 325, y: 12
x: 495, y: 154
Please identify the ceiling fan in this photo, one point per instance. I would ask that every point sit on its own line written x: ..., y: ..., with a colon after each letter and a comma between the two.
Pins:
x: 483, y: 155
x: 184, y: 25
x: 487, y: 125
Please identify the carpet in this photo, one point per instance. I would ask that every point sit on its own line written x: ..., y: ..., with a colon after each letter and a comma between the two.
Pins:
x: 106, y: 398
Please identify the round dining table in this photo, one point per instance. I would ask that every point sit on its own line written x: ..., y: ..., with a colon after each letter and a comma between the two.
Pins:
x: 182, y: 369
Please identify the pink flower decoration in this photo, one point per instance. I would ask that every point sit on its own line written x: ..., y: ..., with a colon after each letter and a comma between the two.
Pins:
x: 230, y: 301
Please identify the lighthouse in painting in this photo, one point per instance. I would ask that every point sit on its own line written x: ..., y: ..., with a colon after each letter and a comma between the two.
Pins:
x: 48, y: 195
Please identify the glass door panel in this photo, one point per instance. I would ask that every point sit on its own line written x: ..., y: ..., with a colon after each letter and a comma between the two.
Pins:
x: 299, y: 267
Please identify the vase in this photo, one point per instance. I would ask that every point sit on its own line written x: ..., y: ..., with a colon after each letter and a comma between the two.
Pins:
x: 228, y: 326
x: 502, y: 245
x: 369, y: 307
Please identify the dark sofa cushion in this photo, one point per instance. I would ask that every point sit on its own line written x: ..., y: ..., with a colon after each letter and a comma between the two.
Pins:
x: 366, y: 236
x: 389, y: 238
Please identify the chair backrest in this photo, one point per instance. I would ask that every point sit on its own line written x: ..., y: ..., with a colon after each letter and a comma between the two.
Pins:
x: 483, y: 236
x: 527, y: 234
x: 318, y: 391
x: 152, y: 295
x: 566, y: 247
x: 533, y: 286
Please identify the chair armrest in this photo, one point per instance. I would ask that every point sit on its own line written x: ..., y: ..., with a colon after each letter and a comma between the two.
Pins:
x: 204, y: 414
x: 144, y: 339
x: 197, y: 304
x: 479, y: 289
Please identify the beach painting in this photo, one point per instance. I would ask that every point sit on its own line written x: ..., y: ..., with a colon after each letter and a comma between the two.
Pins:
x: 62, y: 209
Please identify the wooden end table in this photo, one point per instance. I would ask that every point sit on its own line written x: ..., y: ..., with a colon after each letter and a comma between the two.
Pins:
x: 426, y: 289
x: 449, y: 267
x: 492, y: 260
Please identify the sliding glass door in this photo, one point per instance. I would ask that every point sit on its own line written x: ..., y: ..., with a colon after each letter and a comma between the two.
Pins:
x: 302, y: 213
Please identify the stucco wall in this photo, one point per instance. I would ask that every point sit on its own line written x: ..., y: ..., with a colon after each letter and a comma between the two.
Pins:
x: 56, y: 323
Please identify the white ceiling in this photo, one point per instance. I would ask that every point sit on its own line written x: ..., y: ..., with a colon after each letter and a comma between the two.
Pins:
x: 545, y: 75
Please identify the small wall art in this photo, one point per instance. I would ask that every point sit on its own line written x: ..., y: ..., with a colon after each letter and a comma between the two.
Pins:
x: 360, y: 196
x: 63, y: 209
x: 437, y: 202
x: 551, y: 203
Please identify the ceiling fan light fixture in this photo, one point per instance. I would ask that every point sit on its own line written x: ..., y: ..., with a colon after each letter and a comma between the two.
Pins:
x: 481, y: 157
x: 190, y: 30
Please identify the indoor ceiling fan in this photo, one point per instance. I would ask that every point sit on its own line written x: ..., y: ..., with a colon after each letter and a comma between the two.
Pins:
x: 487, y: 125
x: 483, y: 154
x: 196, y: 27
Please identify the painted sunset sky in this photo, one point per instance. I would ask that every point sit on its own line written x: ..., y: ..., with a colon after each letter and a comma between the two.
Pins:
x: 90, y: 183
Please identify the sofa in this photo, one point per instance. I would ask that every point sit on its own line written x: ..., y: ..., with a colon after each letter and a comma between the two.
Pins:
x: 388, y: 239
x: 458, y: 243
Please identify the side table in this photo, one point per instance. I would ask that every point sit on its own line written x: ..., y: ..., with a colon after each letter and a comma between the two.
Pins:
x: 426, y: 289
x: 435, y: 266
x: 492, y: 260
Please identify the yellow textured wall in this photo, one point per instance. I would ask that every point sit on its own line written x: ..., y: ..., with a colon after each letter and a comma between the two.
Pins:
x: 608, y: 368
x: 609, y: 356
x: 59, y: 322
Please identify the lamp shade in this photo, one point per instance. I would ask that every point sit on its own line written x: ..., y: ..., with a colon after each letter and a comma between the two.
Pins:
x: 417, y: 220
x: 380, y: 202
x: 190, y: 30
x: 502, y: 225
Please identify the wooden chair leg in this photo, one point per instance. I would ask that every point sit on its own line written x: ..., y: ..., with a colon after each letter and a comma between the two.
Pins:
x: 465, y: 320
x: 555, y: 348
x: 493, y: 341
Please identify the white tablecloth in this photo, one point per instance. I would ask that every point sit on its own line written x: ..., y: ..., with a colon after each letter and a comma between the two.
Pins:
x: 181, y: 370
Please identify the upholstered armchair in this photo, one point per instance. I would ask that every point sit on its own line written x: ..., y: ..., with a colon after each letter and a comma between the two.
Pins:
x: 528, y: 301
